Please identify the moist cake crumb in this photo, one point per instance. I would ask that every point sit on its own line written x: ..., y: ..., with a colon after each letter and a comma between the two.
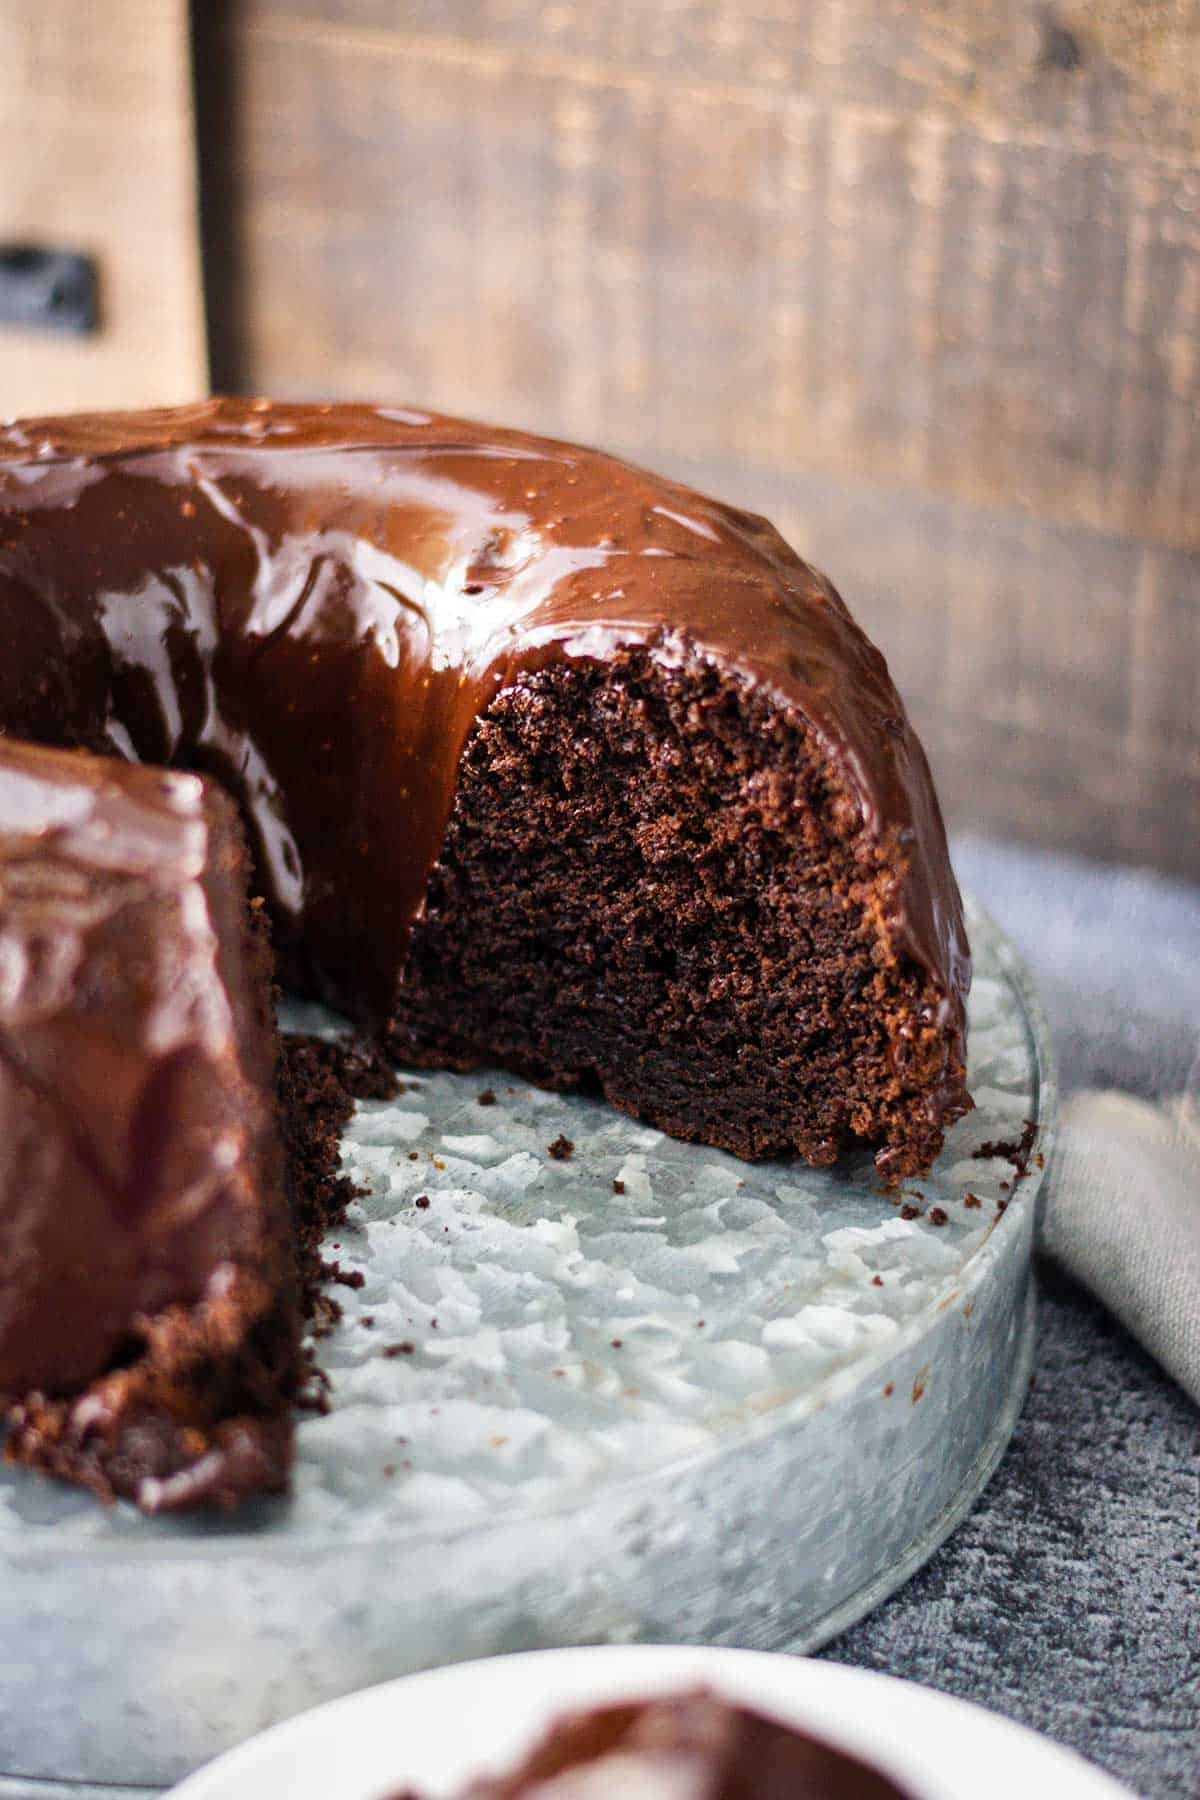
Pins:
x: 714, y: 865
x: 350, y: 1278
x: 1017, y: 1151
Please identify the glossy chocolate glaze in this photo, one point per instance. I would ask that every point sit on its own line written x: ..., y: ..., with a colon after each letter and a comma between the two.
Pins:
x: 316, y: 603
x: 138, y: 1159
x: 687, y: 1747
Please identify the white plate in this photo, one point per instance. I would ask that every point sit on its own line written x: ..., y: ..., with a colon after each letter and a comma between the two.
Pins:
x: 436, y: 1730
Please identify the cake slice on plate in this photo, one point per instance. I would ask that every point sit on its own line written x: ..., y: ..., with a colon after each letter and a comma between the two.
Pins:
x: 692, y: 1746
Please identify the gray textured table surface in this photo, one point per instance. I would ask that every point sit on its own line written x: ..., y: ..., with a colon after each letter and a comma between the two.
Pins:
x: 1070, y: 1598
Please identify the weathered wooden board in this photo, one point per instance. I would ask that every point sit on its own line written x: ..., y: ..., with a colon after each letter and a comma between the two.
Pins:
x: 921, y: 280
x: 846, y: 266
x: 99, y: 156
x: 992, y: 64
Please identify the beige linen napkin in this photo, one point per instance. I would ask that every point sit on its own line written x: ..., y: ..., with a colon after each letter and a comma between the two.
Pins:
x: 1124, y: 1217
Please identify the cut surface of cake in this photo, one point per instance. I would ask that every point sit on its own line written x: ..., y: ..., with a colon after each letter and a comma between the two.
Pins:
x: 149, y: 1336
x: 688, y: 1747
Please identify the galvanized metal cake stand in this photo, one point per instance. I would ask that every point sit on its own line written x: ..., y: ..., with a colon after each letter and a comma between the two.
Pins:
x: 643, y: 1391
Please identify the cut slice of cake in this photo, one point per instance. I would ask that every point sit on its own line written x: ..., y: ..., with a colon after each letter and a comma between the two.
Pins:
x: 149, y: 1332
x: 692, y: 1746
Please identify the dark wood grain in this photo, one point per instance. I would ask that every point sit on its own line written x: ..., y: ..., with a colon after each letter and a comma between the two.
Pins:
x: 922, y: 281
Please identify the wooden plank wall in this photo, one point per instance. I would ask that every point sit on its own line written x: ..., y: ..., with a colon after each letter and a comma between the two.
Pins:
x: 99, y: 156
x: 919, y: 278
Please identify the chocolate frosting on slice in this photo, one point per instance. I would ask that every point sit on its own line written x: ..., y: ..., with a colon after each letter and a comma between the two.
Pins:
x: 317, y: 602
x: 138, y: 1163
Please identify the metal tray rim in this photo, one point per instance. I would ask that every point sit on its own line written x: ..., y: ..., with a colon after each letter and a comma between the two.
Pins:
x: 865, y: 1600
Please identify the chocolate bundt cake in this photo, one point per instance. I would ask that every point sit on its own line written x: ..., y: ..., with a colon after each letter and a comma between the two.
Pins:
x: 542, y: 760
x: 688, y: 1747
